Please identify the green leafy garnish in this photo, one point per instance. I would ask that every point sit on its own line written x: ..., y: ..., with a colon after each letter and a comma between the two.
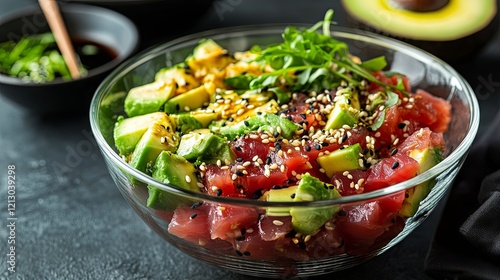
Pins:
x: 308, y: 60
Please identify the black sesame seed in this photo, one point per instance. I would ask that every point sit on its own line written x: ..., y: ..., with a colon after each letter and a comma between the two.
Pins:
x: 395, y: 165
x: 238, y: 148
x: 240, y: 238
x: 239, y: 186
x: 177, y: 107
x: 276, y: 134
x: 308, y: 148
x: 223, y: 124
x: 401, y: 125
x: 303, y: 116
x: 344, y: 138
x: 219, y: 192
x: 268, y: 160
x: 246, y: 253
x: 246, y: 123
x: 239, y: 253
x: 239, y: 159
x: 276, y: 187
x: 342, y: 213
x: 289, y: 118
x: 324, y: 144
x: 292, y: 195
x: 193, y: 216
x: 293, y: 109
x: 277, y: 145
x: 196, y: 204
x: 348, y: 101
x: 317, y: 146
x: 393, y: 152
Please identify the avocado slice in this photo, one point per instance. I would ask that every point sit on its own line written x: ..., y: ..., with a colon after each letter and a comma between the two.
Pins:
x: 427, y: 158
x: 308, y: 220
x: 193, y: 99
x: 174, y: 170
x: 156, y: 139
x: 201, y: 145
x: 449, y: 29
x: 344, y: 111
x: 341, y: 159
x: 148, y: 98
x: 128, y: 131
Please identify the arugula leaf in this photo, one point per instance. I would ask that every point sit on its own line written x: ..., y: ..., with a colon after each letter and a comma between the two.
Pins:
x: 379, y: 122
x: 375, y: 64
x: 239, y: 82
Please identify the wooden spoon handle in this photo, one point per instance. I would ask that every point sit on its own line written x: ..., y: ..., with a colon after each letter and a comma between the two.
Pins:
x: 53, y: 15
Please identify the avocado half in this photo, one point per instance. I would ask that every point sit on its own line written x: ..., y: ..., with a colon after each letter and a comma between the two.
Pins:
x: 455, y: 30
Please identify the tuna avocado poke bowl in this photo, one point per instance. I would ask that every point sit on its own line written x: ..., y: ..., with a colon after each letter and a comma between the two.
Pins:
x: 284, y: 150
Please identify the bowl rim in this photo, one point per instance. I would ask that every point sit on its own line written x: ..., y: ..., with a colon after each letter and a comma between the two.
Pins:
x: 339, y: 31
x: 74, y: 8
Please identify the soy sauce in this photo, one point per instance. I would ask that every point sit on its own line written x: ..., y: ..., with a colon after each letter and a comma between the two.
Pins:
x: 92, y: 54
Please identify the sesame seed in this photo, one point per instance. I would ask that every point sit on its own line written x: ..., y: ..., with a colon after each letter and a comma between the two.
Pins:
x: 277, y: 223
x: 395, y: 165
x: 200, y: 185
x: 193, y: 216
x: 219, y: 192
x: 234, y: 177
x: 188, y: 179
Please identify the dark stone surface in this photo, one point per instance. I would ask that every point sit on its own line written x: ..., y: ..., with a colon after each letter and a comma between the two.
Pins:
x: 72, y: 223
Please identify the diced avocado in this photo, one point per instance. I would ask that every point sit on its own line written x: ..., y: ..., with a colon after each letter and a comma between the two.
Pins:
x: 307, y: 220
x: 263, y: 122
x: 427, y: 158
x: 344, y: 111
x: 174, y: 170
x: 203, y: 146
x: 148, y: 98
x: 188, y: 121
x: 128, y: 131
x: 205, y: 118
x: 280, y: 195
x: 180, y: 75
x: 110, y: 108
x: 156, y: 139
x: 193, y: 99
x: 341, y: 159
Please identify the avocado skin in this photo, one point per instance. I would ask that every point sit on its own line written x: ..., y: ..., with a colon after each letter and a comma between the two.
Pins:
x: 453, y: 52
x: 206, y: 147
x: 263, y: 122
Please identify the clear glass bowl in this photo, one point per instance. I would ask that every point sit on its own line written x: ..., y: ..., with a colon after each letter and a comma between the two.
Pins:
x: 320, y: 255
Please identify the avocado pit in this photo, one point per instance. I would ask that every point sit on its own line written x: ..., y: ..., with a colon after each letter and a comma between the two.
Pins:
x: 452, y: 30
x: 420, y: 5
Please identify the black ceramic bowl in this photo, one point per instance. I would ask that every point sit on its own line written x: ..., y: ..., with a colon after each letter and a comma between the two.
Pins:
x: 106, y: 27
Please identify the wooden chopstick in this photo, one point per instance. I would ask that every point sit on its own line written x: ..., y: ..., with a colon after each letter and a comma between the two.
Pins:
x: 53, y: 15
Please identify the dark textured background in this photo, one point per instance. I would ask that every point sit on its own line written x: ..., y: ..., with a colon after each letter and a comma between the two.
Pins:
x: 74, y: 224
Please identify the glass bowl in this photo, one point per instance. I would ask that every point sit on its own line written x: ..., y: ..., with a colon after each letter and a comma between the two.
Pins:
x: 294, y: 255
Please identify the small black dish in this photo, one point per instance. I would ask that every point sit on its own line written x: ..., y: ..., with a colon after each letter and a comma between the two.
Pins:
x: 103, y: 26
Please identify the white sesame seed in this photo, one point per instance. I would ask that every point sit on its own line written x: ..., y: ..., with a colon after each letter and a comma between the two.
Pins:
x: 277, y: 223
